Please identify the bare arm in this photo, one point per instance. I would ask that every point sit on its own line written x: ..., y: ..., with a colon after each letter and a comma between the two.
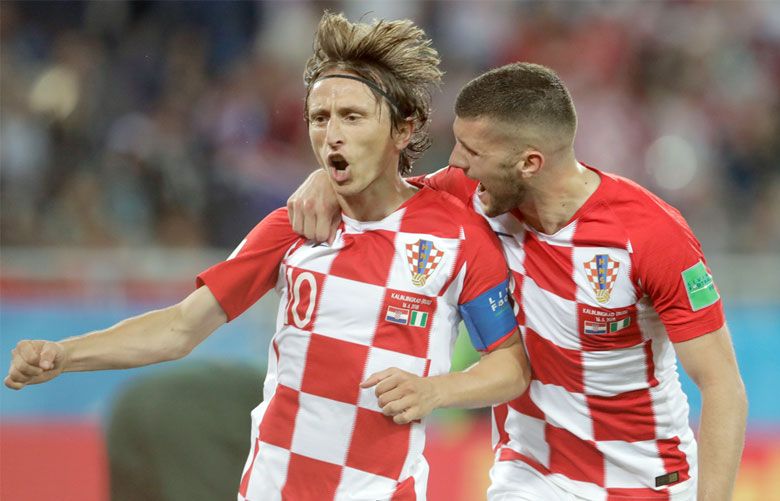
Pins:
x: 499, y: 376
x: 313, y: 209
x: 156, y: 336
x: 710, y: 362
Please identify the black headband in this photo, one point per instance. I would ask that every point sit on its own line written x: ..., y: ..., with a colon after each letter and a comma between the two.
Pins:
x: 368, y: 82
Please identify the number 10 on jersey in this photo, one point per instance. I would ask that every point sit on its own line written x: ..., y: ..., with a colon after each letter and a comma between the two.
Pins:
x: 303, y: 289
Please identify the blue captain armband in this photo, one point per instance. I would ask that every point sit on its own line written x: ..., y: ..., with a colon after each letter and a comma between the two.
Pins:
x: 489, y: 317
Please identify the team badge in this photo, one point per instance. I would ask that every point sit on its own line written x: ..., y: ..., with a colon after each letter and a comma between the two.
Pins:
x: 602, y: 272
x: 423, y: 258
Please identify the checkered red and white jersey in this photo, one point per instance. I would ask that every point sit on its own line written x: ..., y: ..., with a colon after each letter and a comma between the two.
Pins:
x: 385, y: 294
x: 598, y: 303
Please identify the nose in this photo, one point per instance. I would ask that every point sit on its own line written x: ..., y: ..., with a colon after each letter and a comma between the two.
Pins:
x: 334, y: 134
x: 457, y: 158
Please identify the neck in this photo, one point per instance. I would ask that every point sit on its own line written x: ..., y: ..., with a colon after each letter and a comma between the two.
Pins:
x: 557, y: 194
x: 380, y: 199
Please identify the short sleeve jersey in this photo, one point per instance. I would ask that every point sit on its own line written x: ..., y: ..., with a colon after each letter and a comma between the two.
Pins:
x: 388, y: 293
x: 598, y: 304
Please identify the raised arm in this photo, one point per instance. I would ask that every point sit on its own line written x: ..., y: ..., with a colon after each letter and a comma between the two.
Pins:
x: 710, y: 362
x: 156, y: 336
x: 499, y: 376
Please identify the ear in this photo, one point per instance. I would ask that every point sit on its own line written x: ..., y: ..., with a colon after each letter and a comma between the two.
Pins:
x: 530, y: 163
x: 403, y: 134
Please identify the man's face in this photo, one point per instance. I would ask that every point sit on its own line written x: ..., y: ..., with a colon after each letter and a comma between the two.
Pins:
x: 350, y: 134
x: 486, y: 153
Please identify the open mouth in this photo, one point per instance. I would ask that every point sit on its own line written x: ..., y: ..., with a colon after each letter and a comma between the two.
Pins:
x: 337, y: 161
x: 339, y: 167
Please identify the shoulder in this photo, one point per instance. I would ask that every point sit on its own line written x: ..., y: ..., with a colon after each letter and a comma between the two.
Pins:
x: 643, y: 213
x: 275, y: 228
x: 451, y: 212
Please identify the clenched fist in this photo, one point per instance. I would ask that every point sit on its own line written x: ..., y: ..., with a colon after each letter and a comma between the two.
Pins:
x: 34, y: 362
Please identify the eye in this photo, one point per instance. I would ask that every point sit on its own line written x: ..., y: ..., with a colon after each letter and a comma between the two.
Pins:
x: 352, y: 117
x: 318, y: 119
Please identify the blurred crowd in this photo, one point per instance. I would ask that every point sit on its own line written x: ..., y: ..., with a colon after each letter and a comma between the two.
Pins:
x: 181, y: 123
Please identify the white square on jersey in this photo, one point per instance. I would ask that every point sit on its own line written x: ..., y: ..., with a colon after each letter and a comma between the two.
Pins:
x: 293, y: 344
x: 380, y: 359
x: 635, y: 469
x: 613, y: 372
x: 323, y: 428
x: 436, y: 269
x: 269, y: 475
x: 367, y: 485
x: 551, y: 316
x: 550, y: 396
x: 530, y: 436
x: 514, y: 252
x: 603, y: 277
x: 349, y: 310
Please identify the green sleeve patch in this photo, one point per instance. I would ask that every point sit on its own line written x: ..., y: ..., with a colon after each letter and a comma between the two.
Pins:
x: 699, y: 286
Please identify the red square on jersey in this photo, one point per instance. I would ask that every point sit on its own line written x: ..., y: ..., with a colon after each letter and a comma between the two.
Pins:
x: 550, y: 266
x: 309, y: 479
x: 602, y: 329
x: 368, y: 261
x: 577, y: 459
x: 524, y: 405
x: 334, y: 368
x: 627, y: 417
x: 379, y: 445
x: 278, y: 422
x: 553, y: 364
x: 405, y: 323
x: 517, y: 298
x: 673, y: 458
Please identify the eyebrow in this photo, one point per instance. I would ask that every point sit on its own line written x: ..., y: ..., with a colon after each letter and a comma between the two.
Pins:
x: 471, y: 150
x: 344, y: 110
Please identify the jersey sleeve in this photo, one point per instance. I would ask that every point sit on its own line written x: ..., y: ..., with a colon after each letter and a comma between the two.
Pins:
x: 449, y: 180
x: 253, y: 268
x: 484, y: 301
x: 672, y: 270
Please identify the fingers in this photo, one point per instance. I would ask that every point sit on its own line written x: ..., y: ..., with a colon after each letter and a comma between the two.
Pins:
x: 309, y: 224
x: 377, y: 377
x: 10, y: 383
x: 27, y: 352
x: 294, y: 215
x: 48, y: 355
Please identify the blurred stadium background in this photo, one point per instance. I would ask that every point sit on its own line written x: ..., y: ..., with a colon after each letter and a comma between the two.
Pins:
x: 140, y: 141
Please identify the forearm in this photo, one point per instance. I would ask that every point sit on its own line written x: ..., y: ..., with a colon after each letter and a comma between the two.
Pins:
x: 152, y: 337
x: 498, y: 377
x: 721, y: 439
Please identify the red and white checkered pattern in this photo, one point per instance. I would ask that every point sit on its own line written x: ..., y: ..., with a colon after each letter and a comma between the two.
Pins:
x: 604, y: 415
x: 318, y: 435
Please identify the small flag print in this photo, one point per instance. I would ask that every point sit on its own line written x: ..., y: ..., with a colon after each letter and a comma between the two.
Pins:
x: 619, y: 324
x: 419, y: 319
x: 397, y: 315
x: 595, y: 328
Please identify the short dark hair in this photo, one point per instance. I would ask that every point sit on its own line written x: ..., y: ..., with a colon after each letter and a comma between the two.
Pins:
x: 396, y: 56
x: 520, y: 94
